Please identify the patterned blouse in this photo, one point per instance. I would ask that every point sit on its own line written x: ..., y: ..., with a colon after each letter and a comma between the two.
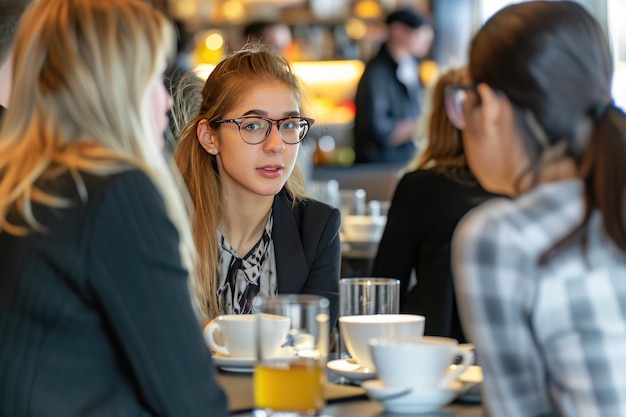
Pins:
x: 242, y: 279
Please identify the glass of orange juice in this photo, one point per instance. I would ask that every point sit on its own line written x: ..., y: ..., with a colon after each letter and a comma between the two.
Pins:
x: 290, y: 381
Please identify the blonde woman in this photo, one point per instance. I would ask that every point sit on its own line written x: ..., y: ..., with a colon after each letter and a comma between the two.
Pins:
x: 255, y: 230
x: 95, y: 313
x: 426, y: 206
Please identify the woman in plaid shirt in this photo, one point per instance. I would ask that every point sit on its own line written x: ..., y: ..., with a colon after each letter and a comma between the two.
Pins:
x: 541, y: 278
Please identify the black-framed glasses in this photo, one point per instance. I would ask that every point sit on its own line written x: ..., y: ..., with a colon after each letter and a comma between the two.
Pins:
x: 256, y: 129
x: 455, y: 98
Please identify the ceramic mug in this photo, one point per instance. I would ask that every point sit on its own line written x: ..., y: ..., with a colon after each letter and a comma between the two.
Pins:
x: 356, y: 331
x: 423, y: 362
x: 235, y: 335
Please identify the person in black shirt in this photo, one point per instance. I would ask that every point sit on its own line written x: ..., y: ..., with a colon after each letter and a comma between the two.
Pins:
x: 389, y: 92
x: 427, y: 204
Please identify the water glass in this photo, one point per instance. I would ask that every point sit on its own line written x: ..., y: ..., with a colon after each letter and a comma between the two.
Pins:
x: 361, y: 296
x: 292, y: 384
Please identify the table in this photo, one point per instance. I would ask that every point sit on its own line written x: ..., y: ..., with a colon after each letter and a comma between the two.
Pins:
x: 342, y: 401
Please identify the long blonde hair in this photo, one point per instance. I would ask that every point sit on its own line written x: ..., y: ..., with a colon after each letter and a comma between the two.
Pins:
x: 444, y: 152
x: 223, y: 89
x: 80, y: 103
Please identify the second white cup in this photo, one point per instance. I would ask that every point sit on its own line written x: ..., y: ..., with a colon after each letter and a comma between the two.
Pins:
x: 422, y: 362
x: 235, y: 335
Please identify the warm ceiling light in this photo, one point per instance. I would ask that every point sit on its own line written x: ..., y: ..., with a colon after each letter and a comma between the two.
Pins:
x: 356, y: 29
x: 367, y: 9
x: 233, y: 10
x: 214, y: 41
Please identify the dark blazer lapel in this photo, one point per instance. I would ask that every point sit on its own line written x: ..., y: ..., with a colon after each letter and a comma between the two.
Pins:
x: 291, y: 266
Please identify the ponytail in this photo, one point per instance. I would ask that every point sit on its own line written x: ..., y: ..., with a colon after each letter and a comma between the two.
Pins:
x: 603, y: 172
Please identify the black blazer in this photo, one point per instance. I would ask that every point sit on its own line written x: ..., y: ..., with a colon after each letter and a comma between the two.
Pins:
x: 424, y: 212
x: 95, y: 313
x: 308, y: 249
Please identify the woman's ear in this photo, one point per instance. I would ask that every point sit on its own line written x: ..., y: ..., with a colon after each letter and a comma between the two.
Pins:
x: 207, y: 139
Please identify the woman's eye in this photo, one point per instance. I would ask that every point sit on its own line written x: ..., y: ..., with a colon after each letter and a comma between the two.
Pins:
x: 251, y: 126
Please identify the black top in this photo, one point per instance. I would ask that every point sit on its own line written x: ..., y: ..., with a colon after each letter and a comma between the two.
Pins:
x: 381, y: 102
x: 425, y: 209
x: 95, y: 313
x: 307, y: 249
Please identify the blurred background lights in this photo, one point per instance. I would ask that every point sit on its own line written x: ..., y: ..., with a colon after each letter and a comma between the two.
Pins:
x: 367, y: 9
x: 233, y: 10
x: 356, y: 29
x: 326, y: 143
x: 214, y: 41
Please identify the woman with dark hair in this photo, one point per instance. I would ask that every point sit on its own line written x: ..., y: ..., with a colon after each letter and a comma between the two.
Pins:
x: 541, y: 278
x: 426, y: 207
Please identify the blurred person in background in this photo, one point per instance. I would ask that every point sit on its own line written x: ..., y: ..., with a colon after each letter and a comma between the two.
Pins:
x: 256, y: 231
x: 426, y: 207
x: 10, y: 12
x: 388, y: 96
x: 276, y: 35
x: 96, y: 317
x: 541, y: 277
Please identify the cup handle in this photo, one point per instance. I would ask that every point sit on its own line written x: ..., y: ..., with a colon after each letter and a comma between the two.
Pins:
x: 209, y: 336
x: 467, y: 359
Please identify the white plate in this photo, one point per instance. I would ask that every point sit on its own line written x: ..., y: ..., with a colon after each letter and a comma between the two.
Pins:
x: 347, y: 368
x: 406, y: 400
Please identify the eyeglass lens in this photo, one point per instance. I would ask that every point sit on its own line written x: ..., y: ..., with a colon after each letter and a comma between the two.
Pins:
x: 455, y: 101
x: 255, y: 130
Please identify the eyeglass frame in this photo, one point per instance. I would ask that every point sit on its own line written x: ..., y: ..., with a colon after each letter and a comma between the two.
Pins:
x: 239, y: 120
x: 452, y: 111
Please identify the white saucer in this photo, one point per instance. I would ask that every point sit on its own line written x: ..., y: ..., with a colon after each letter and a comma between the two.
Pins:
x: 347, y: 368
x: 229, y: 364
x: 471, y: 380
x: 246, y: 365
x: 406, y: 400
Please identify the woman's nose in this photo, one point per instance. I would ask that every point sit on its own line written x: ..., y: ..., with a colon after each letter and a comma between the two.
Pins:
x: 274, y: 142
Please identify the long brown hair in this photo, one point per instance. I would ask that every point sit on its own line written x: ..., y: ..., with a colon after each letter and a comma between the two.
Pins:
x: 227, y: 83
x: 444, y: 152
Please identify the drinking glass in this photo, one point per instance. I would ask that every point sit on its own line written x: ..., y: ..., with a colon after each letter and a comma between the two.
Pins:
x: 359, y: 296
x: 292, y: 383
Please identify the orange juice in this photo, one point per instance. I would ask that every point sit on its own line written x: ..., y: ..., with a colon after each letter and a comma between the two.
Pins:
x: 295, y: 385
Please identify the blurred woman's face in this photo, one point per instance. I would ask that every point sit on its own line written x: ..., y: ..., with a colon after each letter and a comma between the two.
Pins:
x: 160, y: 103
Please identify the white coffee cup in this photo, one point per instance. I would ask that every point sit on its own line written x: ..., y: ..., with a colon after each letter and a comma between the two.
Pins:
x: 356, y: 332
x: 422, y: 362
x: 235, y: 335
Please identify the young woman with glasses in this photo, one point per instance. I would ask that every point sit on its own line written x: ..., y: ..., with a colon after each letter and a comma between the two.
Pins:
x: 541, y: 278
x: 96, y: 251
x: 256, y: 231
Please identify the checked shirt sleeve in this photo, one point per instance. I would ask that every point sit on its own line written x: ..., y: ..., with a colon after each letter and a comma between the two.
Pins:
x: 493, y: 272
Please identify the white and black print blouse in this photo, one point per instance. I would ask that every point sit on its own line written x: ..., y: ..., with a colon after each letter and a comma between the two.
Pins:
x: 242, y: 279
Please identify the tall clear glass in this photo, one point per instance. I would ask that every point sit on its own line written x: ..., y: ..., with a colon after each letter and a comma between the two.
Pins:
x: 359, y: 296
x: 291, y: 383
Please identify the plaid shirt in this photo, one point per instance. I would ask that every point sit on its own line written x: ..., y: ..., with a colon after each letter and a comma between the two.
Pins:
x: 551, y: 339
